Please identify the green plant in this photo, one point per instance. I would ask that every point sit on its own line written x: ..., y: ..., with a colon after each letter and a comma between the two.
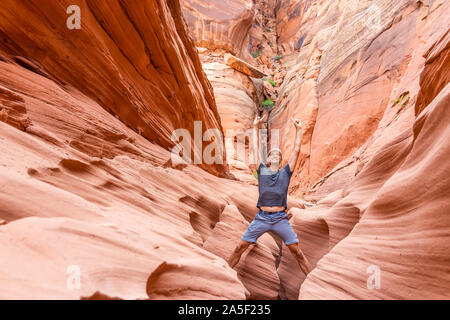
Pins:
x: 271, y: 82
x: 256, y: 54
x: 255, y: 174
x: 401, y: 98
x: 268, y: 29
x: 277, y: 58
x: 268, y: 104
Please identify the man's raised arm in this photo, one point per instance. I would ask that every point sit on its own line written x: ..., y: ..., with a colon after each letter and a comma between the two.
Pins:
x: 298, y: 140
x: 256, y: 152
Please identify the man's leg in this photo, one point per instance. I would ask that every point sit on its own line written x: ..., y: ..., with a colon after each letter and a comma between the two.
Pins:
x: 254, y: 230
x: 284, y: 229
x: 238, y: 251
x: 300, y: 257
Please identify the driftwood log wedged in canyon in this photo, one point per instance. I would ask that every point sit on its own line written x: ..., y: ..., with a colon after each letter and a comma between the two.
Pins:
x: 242, y: 66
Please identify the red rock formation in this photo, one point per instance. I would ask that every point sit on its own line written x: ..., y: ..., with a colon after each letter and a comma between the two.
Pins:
x: 379, y: 187
x: 89, y: 193
x: 79, y: 188
x: 263, y: 284
x: 235, y: 33
x: 220, y: 28
x: 83, y: 193
x: 347, y: 72
x: 185, y: 279
x: 134, y: 58
x: 219, y: 24
x: 404, y: 230
x: 435, y: 75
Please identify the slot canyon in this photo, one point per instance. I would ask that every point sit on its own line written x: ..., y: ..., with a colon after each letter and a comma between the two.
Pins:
x: 89, y: 187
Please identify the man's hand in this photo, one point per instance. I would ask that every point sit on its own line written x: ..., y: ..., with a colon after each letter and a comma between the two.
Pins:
x: 259, y: 119
x: 297, y: 123
x: 298, y: 138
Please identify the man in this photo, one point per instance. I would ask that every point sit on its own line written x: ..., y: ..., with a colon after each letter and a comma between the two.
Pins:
x: 273, y: 184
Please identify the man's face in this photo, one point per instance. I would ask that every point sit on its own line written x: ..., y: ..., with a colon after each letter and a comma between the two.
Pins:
x: 274, y: 157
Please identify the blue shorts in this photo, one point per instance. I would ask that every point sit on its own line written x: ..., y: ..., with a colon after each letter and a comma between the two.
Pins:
x: 276, y: 222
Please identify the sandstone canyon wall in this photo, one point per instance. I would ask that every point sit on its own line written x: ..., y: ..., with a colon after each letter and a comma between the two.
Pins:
x: 354, y: 70
x: 246, y: 30
x: 359, y: 75
x: 146, y: 74
x: 88, y: 188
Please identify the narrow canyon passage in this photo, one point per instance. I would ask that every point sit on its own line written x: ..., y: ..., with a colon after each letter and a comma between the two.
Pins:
x: 94, y: 204
x: 350, y: 71
x: 246, y: 82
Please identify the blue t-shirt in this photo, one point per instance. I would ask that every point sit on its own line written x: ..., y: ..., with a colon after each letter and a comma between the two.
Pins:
x: 273, y: 186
